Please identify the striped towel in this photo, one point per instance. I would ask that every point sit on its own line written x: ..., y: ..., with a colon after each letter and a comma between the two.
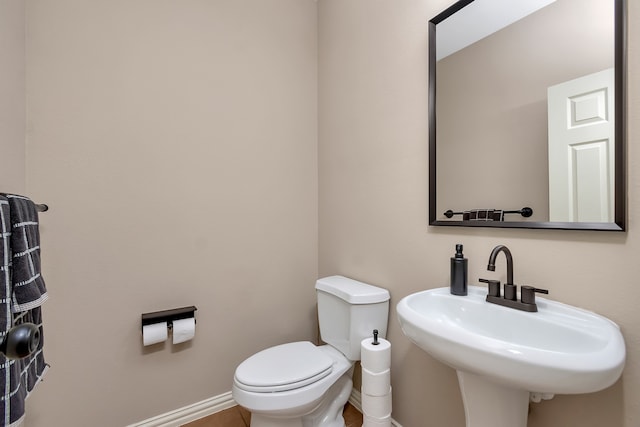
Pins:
x: 22, y: 292
x: 483, y: 215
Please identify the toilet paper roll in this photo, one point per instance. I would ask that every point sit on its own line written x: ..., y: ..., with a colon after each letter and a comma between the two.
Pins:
x: 368, y: 421
x: 154, y: 333
x: 376, y: 384
x: 183, y: 330
x: 375, y: 358
x: 376, y: 406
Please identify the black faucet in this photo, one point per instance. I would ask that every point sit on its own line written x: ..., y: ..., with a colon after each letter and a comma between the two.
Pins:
x: 510, y: 298
x: 492, y: 261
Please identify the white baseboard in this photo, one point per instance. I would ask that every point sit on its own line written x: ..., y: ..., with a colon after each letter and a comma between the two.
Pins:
x: 190, y: 413
x: 210, y: 406
x: 356, y: 400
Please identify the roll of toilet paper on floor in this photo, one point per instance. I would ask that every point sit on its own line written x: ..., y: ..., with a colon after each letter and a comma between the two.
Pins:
x: 376, y: 384
x: 154, y: 333
x: 375, y: 358
x: 376, y: 422
x: 184, y: 330
x: 377, y: 406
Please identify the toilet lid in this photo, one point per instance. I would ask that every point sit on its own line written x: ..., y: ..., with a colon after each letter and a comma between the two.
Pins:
x: 283, y: 367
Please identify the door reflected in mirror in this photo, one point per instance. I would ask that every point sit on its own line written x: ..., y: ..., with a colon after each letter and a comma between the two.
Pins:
x: 527, y: 112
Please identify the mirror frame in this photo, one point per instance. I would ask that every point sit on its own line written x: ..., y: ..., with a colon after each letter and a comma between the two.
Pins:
x: 620, y: 64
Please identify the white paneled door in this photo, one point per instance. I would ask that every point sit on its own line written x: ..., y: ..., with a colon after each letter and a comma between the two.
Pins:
x: 581, y: 149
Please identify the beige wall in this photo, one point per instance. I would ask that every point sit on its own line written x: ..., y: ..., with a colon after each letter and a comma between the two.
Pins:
x: 373, y: 210
x: 12, y: 96
x: 492, y: 99
x: 176, y: 144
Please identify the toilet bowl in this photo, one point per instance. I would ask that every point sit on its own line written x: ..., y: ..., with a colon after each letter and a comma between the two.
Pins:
x: 308, y: 373
x: 300, y: 384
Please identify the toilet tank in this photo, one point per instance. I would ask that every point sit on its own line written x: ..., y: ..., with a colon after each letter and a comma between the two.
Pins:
x: 349, y: 311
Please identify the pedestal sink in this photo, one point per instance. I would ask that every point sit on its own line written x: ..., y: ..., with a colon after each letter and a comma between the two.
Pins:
x: 502, y: 355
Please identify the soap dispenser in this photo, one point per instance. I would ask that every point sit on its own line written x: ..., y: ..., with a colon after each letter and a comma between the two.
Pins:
x: 458, y: 273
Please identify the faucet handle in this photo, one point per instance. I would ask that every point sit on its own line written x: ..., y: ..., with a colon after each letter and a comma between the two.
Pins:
x: 527, y: 294
x: 494, y: 287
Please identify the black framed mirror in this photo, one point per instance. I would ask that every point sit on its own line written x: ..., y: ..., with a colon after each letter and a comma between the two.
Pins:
x: 527, y: 115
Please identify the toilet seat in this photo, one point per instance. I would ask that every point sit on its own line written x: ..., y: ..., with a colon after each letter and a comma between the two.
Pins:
x: 297, y: 401
x: 283, y: 367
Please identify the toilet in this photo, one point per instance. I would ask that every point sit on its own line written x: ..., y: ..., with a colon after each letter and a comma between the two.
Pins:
x: 300, y: 384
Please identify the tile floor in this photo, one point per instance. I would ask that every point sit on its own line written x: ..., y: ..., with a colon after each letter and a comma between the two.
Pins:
x: 239, y: 417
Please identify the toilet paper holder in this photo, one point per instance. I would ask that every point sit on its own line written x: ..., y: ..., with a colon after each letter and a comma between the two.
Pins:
x: 168, y: 316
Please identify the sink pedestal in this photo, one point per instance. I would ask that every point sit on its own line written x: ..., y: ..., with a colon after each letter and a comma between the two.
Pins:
x: 489, y: 404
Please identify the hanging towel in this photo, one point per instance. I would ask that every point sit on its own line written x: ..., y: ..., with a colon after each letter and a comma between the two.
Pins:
x: 22, y: 292
x: 29, y: 290
x: 483, y: 215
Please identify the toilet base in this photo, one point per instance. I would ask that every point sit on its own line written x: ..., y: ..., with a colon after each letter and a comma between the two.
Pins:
x: 258, y: 420
x: 327, y: 414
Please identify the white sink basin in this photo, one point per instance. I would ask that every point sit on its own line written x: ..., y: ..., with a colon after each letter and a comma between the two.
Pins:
x: 560, y: 349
